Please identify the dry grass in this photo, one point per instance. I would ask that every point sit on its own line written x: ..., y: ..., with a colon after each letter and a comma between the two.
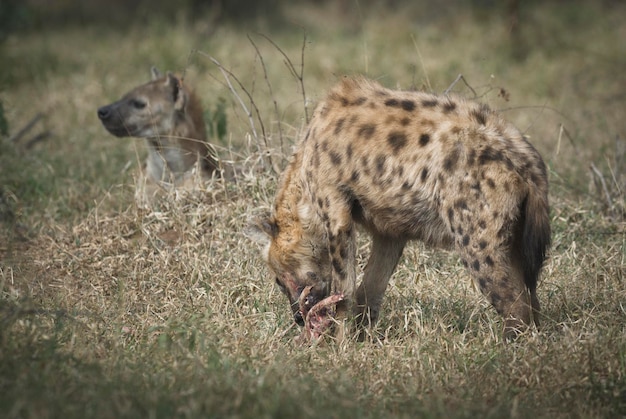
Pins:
x: 110, y: 311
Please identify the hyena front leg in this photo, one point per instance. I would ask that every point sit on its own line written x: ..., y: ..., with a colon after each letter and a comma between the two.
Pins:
x: 341, y: 233
x: 383, y: 259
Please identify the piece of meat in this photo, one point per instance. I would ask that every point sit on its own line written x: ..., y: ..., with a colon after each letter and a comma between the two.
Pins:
x: 319, y: 317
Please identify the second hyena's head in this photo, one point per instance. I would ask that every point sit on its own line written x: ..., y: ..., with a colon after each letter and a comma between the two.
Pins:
x: 149, y: 110
x: 295, y: 259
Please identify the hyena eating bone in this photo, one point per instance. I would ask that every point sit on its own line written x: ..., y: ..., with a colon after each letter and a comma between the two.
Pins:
x: 405, y: 166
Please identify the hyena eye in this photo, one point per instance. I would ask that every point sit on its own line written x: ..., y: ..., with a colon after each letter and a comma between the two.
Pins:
x: 137, y: 104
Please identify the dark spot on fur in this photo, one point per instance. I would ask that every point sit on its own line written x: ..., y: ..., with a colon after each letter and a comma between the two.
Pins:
x: 344, y: 101
x: 424, y: 175
x: 408, y: 105
x: 476, y: 265
x: 460, y: 204
x: 489, y: 261
x: 450, y: 215
x: 464, y: 262
x: 349, y: 151
x: 397, y: 140
x: 449, y: 163
x: 366, y: 131
x: 393, y: 103
x: 355, y: 176
x: 489, y: 154
x: 480, y: 115
x: 359, y: 101
x: 320, y: 203
x: 490, y: 183
x: 424, y: 139
x: 335, y: 158
x: 339, y: 125
x: 482, y: 244
x: 449, y: 106
x: 405, y: 121
x: 495, y: 300
x: 406, y: 185
x: 466, y: 240
x: 430, y: 103
x: 380, y: 163
x: 338, y: 268
x: 471, y: 157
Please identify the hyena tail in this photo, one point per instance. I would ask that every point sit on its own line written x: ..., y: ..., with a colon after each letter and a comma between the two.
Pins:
x: 535, y: 234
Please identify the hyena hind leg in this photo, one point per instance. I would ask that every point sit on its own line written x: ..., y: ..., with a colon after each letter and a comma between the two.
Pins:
x: 502, y: 283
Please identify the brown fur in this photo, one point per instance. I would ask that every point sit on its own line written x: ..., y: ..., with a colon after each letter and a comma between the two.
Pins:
x: 168, y: 115
x: 409, y: 165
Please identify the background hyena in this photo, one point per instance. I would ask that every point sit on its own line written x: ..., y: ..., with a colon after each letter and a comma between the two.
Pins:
x: 408, y: 165
x: 168, y: 115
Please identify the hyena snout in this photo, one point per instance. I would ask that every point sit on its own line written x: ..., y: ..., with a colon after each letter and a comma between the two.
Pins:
x: 113, y: 121
x: 104, y: 113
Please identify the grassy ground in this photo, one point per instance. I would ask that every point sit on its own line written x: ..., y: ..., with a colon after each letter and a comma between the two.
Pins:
x: 110, y: 311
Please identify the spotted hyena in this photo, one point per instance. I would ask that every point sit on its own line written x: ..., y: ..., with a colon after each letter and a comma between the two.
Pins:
x: 168, y: 115
x: 407, y: 165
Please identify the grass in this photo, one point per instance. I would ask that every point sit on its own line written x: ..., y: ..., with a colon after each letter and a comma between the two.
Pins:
x: 110, y: 311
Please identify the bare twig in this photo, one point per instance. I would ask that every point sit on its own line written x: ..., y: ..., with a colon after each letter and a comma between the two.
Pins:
x: 458, y: 78
x: 419, y: 54
x: 269, y: 86
x: 17, y: 136
x: 297, y: 75
x: 600, y: 178
x: 227, y: 76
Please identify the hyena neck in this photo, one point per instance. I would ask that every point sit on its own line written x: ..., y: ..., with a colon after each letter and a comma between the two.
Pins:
x: 298, y: 218
x: 184, y: 145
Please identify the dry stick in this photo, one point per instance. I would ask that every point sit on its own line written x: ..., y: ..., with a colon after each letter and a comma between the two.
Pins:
x: 16, y: 137
x: 604, y: 187
x: 269, y: 86
x: 419, y: 54
x: 299, y: 76
x: 226, y: 74
x: 460, y: 77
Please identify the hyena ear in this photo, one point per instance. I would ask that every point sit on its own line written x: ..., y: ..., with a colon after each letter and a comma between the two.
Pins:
x: 179, y: 94
x: 155, y: 73
x: 261, y: 229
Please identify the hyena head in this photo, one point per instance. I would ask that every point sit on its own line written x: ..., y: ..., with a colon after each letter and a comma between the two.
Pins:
x: 149, y: 110
x: 295, y: 259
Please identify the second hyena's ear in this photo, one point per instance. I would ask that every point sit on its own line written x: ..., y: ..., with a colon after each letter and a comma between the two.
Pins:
x: 155, y: 73
x: 179, y: 94
x: 261, y: 229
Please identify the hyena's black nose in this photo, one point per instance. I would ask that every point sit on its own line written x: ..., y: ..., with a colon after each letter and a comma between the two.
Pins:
x: 104, y: 113
x: 298, y: 318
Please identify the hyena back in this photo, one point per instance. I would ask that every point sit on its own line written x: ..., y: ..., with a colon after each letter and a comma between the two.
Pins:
x: 408, y: 165
x: 168, y: 115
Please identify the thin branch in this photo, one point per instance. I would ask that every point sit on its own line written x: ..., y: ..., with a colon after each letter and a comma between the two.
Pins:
x: 292, y: 69
x: 269, y: 86
x: 16, y: 137
x: 458, y: 78
x: 419, y: 54
x: 600, y: 177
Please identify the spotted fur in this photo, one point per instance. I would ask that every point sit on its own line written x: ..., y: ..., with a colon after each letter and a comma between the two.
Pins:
x: 409, y: 166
